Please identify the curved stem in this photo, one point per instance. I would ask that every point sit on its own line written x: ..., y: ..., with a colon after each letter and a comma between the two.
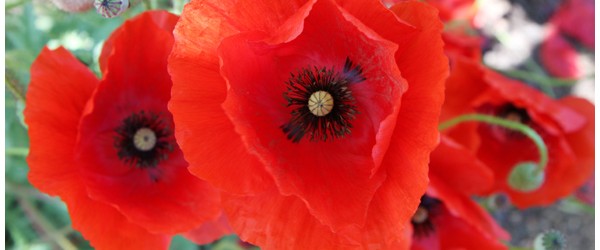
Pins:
x: 14, y: 87
x: 517, y: 126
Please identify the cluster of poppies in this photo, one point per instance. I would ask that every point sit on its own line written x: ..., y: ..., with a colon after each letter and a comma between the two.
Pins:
x: 297, y: 124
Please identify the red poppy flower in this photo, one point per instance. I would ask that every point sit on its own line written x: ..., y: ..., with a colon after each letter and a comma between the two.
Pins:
x: 106, y: 147
x: 559, y: 57
x: 565, y: 125
x: 315, y: 115
x: 575, y: 18
x: 447, y: 219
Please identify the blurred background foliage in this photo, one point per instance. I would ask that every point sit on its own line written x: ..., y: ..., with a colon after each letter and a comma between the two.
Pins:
x: 37, y: 221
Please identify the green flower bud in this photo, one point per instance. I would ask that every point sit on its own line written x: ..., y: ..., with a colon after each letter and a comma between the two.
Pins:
x: 526, y: 177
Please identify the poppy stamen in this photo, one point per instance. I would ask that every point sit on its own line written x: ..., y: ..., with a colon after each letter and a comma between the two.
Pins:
x: 423, y: 219
x: 322, y: 102
x: 143, y: 140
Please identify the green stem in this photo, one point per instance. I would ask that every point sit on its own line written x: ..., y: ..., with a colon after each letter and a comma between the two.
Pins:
x: 11, y: 6
x: 39, y: 220
x: 538, y: 70
x: 22, y: 152
x: 517, y: 126
x: 14, y: 87
x: 529, y: 76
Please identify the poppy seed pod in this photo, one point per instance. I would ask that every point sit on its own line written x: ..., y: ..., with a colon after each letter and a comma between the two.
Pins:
x: 74, y: 5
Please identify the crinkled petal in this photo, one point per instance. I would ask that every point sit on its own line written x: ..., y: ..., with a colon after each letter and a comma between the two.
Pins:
x: 59, y: 89
x: 106, y: 227
x: 204, y: 132
x: 165, y: 198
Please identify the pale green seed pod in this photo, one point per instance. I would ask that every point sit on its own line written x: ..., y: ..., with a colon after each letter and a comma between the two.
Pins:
x: 111, y: 8
x: 550, y: 240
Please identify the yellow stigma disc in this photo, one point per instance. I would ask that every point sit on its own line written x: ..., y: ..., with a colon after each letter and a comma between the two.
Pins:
x: 320, y: 103
x: 420, y: 216
x: 144, y: 139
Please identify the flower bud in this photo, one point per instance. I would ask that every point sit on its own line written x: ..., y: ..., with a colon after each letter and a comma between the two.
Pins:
x: 525, y: 177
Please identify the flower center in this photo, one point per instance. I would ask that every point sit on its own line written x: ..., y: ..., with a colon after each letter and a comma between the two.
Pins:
x: 420, y: 216
x: 322, y: 102
x: 422, y: 220
x: 144, y: 139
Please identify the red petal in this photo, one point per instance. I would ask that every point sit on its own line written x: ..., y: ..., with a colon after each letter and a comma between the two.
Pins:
x: 460, y: 168
x: 470, y: 213
x: 559, y: 57
x: 576, y: 18
x: 161, y: 19
x: 273, y: 221
x: 106, y: 228
x: 204, y: 131
x: 415, y: 135
x: 165, y: 198
x: 59, y: 88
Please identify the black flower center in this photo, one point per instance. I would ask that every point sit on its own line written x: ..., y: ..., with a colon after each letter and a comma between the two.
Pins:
x: 422, y: 220
x: 322, y: 104
x: 510, y: 112
x: 143, y: 140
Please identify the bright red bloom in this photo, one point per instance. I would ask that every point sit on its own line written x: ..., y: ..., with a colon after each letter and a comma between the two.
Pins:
x: 565, y: 125
x: 575, y: 18
x: 447, y: 218
x: 106, y: 147
x: 248, y: 79
x: 559, y: 57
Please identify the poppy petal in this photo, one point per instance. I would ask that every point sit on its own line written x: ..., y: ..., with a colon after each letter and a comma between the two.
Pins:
x: 274, y: 221
x: 55, y: 101
x: 203, y: 129
x: 559, y: 57
x: 415, y: 135
x: 461, y: 206
x: 163, y: 20
x: 164, y: 198
x: 111, y: 230
x: 460, y: 168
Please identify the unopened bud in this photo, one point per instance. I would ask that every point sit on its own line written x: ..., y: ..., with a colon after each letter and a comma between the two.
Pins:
x: 526, y: 177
